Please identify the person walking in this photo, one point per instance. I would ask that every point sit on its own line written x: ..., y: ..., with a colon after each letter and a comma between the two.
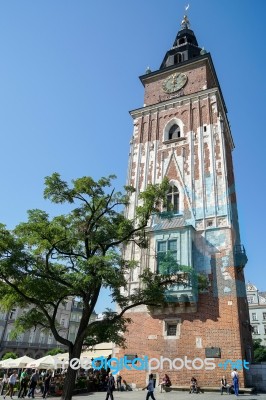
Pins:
x: 4, y: 383
x: 150, y: 388
x: 33, y: 383
x: 118, y: 381
x: 47, y: 380
x: 110, y: 386
x: 235, y: 379
x: 23, y: 381
x: 11, y: 384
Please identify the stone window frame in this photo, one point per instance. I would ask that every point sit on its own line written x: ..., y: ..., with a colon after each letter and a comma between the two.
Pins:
x: 168, y: 126
x: 172, y: 321
x: 181, y: 199
x: 254, y: 316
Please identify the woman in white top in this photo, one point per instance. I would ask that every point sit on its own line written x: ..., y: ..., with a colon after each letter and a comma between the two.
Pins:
x: 11, y: 384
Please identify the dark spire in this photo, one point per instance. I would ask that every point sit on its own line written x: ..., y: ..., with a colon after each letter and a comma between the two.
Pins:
x: 185, y: 46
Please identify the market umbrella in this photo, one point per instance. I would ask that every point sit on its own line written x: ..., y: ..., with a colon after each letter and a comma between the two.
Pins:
x: 45, y: 362
x: 62, y: 356
x: 3, y: 362
x: 20, y: 362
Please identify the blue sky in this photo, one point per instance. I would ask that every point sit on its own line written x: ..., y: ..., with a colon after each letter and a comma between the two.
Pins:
x: 69, y: 75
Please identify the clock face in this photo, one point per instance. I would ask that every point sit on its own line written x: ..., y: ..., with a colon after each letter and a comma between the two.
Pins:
x: 174, y: 82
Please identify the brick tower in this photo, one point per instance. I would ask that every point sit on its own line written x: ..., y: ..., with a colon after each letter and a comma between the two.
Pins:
x: 182, y: 132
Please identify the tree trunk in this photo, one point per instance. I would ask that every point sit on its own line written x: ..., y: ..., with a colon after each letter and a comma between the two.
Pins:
x: 69, y: 384
x: 70, y: 377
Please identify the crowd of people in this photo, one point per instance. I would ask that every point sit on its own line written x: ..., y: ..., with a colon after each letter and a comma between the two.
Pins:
x: 28, y: 381
x: 98, y: 380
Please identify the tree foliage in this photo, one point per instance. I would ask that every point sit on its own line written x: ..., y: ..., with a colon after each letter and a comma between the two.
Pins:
x: 54, y: 352
x: 8, y: 355
x: 259, y: 351
x: 44, y: 260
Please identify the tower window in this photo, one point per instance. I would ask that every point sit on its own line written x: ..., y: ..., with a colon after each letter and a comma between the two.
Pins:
x: 172, y: 328
x: 167, y: 256
x: 173, y: 200
x: 182, y: 41
x: 174, y: 132
x: 177, y: 58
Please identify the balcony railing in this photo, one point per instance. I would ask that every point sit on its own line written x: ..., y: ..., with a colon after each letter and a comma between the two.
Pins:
x: 184, y: 292
x: 34, y: 345
x: 240, y: 256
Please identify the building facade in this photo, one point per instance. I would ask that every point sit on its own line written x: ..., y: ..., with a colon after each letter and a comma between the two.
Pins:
x: 36, y: 342
x: 182, y: 133
x: 257, y: 312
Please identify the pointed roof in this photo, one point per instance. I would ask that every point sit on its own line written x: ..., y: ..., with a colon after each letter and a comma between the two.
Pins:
x: 185, y: 46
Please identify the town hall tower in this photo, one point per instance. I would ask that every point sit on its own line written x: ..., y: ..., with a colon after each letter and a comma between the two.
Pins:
x: 182, y: 133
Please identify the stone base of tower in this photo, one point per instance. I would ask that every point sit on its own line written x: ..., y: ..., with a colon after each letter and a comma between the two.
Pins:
x: 204, y: 342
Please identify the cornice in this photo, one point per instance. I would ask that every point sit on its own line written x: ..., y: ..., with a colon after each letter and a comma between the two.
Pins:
x: 181, y: 101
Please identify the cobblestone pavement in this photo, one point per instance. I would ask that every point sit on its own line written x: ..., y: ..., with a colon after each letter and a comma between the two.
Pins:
x: 174, y: 395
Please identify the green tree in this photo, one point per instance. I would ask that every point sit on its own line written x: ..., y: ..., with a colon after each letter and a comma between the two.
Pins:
x: 54, y: 352
x: 9, y: 355
x: 46, y: 260
x: 259, y: 351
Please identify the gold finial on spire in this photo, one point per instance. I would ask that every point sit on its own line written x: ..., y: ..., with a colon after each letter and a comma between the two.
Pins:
x: 185, y: 22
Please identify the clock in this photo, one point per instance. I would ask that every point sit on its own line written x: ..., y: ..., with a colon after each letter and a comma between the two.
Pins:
x: 174, y: 82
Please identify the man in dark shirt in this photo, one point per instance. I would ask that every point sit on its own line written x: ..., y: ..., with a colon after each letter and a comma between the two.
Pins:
x: 110, y: 386
x: 33, y: 383
x: 47, y: 380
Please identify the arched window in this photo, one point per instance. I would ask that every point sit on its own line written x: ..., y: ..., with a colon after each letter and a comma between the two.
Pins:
x: 182, y: 41
x: 174, y: 132
x: 173, y: 199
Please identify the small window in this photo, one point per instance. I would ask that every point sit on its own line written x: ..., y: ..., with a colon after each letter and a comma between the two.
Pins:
x: 172, y: 328
x: 205, y: 128
x: 250, y: 299
x: 177, y: 58
x: 264, y: 316
x: 255, y: 330
x: 254, y: 317
x: 265, y: 329
x: 174, y: 132
x: 182, y: 41
x: 167, y: 256
x: 42, y: 338
x: 173, y: 199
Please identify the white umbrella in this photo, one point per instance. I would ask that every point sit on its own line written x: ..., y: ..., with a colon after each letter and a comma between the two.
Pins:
x: 45, y: 363
x: 3, y: 362
x: 62, y: 356
x: 20, y: 362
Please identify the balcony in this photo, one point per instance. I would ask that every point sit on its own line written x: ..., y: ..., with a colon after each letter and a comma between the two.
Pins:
x: 181, y: 296
x: 184, y: 292
x: 240, y: 256
x: 26, y: 345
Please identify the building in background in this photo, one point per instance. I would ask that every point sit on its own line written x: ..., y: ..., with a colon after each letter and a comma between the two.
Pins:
x: 36, y: 342
x: 257, y: 312
x: 182, y: 133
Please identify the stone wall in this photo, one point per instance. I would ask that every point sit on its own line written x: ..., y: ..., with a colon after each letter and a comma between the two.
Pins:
x: 256, y: 376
